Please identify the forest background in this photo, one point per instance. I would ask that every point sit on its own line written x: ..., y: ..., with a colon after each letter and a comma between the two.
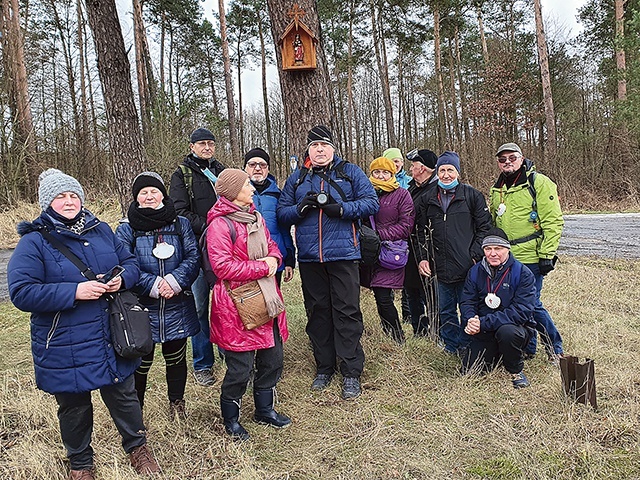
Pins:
x: 464, y: 75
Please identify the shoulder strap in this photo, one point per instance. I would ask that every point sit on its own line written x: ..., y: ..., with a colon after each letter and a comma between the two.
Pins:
x: 57, y: 244
x: 232, y: 229
x: 187, y: 174
x: 531, y: 179
x: 516, y: 270
x: 301, y: 176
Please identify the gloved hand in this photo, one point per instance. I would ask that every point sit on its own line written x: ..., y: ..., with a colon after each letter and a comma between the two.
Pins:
x: 333, y: 210
x: 309, y: 201
x: 546, y: 265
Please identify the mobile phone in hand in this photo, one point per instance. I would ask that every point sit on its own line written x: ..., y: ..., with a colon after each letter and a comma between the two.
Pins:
x: 115, y: 272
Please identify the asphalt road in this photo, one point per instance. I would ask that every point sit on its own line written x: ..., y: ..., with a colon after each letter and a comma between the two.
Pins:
x: 615, y: 235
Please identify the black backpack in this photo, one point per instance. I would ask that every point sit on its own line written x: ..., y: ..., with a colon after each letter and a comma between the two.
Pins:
x: 206, y: 264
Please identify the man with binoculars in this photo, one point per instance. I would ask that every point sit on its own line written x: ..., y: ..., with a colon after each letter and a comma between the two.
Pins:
x: 325, y: 199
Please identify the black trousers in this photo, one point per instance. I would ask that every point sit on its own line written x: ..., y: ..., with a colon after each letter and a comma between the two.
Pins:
x: 334, y: 320
x: 485, y: 350
x: 75, y: 414
x: 175, y: 359
x: 268, y: 369
x: 388, y: 313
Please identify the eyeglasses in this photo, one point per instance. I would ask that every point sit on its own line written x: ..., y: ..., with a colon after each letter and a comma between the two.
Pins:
x: 256, y: 165
x: 511, y: 158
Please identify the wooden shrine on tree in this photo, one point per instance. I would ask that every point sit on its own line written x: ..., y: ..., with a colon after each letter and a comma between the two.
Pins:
x: 298, y: 43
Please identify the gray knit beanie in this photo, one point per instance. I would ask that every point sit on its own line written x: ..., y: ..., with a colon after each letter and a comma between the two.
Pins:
x: 52, y: 183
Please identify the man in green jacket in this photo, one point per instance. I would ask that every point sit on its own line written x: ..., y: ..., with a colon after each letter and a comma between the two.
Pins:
x: 525, y: 204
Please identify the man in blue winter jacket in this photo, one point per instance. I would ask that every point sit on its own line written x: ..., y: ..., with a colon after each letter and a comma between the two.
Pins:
x: 325, y: 199
x: 257, y: 163
x: 497, y: 306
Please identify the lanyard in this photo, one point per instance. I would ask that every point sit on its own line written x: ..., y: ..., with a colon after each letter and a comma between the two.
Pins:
x: 512, y: 184
x: 499, y: 282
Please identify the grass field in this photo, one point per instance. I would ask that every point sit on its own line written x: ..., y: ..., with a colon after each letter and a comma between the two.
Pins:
x: 417, y: 417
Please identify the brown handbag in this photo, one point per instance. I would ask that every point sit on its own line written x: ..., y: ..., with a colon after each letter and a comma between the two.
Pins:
x: 579, y: 379
x: 249, y: 302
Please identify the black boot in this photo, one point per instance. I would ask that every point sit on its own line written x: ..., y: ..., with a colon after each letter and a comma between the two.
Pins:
x: 265, y: 413
x: 230, y: 413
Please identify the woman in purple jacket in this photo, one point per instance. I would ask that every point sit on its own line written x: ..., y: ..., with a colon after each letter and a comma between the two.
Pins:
x: 394, y: 221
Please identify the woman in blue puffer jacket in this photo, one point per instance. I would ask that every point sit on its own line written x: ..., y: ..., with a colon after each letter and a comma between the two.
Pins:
x: 70, y: 333
x: 169, y: 259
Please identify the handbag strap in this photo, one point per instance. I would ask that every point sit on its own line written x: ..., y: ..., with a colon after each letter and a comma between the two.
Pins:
x: 57, y: 244
x: 373, y: 222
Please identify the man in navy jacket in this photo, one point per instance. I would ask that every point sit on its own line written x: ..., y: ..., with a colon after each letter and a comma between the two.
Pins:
x: 497, y: 307
x: 325, y: 199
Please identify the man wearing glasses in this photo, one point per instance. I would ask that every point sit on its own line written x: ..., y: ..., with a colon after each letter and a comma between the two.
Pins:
x: 265, y: 198
x: 525, y: 204
x: 192, y: 190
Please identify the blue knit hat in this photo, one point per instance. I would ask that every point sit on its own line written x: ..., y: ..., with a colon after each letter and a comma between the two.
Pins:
x: 449, y: 158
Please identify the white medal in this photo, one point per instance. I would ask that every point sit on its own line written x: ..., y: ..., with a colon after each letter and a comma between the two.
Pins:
x: 492, y: 300
x: 163, y: 250
x: 501, y: 209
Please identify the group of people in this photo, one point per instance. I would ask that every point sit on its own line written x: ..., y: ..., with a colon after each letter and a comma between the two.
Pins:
x: 470, y: 275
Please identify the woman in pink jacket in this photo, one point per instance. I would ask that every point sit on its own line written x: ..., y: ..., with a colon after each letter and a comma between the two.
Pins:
x: 252, y: 256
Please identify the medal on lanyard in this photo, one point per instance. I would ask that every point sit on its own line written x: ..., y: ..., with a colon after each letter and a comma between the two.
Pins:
x: 163, y: 250
x: 492, y: 300
x: 501, y: 209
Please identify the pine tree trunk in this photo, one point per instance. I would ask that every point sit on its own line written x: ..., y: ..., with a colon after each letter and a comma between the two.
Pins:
x: 543, y: 56
x: 83, y: 139
x: 383, y: 71
x: 13, y: 55
x: 483, y: 39
x: 442, y: 122
x: 125, y: 139
x: 143, y: 74
x: 305, y: 94
x: 228, y: 83
x: 620, y: 53
x: 265, y: 95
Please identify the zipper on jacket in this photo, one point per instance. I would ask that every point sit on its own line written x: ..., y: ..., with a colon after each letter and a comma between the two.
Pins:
x: 54, y: 326
x: 320, y: 227
x: 161, y: 307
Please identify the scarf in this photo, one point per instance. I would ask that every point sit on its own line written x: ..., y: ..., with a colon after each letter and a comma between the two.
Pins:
x: 257, y: 248
x: 75, y: 224
x: 148, y: 219
x: 385, y: 185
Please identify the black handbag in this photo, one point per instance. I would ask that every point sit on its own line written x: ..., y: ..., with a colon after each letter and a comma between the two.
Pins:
x: 128, y: 319
x: 369, y: 246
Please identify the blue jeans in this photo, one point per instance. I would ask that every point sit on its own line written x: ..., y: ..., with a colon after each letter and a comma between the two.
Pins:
x: 549, y: 334
x: 449, y: 298
x: 201, y: 345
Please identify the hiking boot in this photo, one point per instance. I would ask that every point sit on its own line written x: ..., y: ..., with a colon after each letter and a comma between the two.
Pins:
x: 350, y: 388
x: 265, y: 414
x: 321, y: 381
x: 142, y: 461
x: 519, y: 380
x: 86, y: 474
x: 177, y: 409
x: 230, y: 410
x: 204, y: 378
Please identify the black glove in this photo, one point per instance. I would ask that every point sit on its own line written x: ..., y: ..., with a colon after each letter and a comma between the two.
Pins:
x: 333, y: 210
x: 546, y: 265
x: 309, y: 201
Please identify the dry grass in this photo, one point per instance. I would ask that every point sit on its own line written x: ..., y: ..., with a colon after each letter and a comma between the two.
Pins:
x: 417, y: 418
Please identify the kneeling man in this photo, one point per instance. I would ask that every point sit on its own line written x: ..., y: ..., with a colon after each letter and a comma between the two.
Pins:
x: 497, y: 306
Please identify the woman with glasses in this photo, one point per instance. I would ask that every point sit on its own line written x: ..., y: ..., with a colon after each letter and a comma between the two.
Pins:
x: 393, y: 222
x: 265, y: 199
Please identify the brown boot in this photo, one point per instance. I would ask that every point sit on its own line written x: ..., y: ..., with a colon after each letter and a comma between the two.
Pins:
x: 87, y: 474
x: 177, y: 409
x: 142, y: 461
